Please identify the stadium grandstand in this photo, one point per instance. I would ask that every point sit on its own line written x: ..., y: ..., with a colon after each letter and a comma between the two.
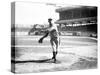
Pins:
x: 78, y: 21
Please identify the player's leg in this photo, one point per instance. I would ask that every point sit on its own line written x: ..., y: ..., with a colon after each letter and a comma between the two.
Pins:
x: 54, y: 49
x: 57, y: 42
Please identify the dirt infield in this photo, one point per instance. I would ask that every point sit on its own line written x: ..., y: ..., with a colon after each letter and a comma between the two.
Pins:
x: 75, y: 53
x: 64, y: 62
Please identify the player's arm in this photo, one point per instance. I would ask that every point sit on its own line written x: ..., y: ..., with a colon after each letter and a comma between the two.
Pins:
x: 41, y: 39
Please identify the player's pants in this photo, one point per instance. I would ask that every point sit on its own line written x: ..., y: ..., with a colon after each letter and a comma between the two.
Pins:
x: 55, y: 44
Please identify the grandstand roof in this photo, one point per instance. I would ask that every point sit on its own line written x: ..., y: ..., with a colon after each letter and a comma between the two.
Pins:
x: 74, y: 7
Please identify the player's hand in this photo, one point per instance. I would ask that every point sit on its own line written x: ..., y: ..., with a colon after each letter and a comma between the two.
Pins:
x: 40, y: 40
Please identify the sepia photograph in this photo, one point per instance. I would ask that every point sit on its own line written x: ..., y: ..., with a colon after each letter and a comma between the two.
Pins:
x: 49, y: 37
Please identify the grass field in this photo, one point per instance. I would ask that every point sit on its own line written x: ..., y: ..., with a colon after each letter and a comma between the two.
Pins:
x: 75, y: 53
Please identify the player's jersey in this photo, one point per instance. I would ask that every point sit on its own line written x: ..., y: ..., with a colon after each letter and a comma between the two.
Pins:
x: 53, y: 31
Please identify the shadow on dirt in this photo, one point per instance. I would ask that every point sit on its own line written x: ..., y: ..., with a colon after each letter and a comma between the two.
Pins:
x: 35, y: 61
